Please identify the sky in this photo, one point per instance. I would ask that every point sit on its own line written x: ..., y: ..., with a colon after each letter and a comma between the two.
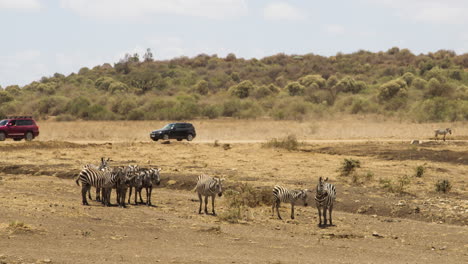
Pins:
x: 42, y: 37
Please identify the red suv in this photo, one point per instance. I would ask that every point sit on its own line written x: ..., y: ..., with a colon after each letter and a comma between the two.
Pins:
x: 18, y: 127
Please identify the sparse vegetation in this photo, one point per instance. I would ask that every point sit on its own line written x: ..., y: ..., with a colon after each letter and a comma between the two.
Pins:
x: 348, y: 166
x: 425, y: 87
x: 443, y: 186
x: 290, y: 143
x: 420, y: 171
x: 398, y: 187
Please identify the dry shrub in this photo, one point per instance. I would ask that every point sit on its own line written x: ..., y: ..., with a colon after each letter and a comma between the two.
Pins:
x: 443, y: 186
x: 397, y: 187
x: 240, y: 199
x: 348, y: 166
x: 420, y: 171
x: 290, y: 143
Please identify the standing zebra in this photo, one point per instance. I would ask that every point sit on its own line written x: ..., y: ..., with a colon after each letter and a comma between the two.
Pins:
x: 295, y: 197
x: 442, y: 132
x: 324, y: 198
x: 208, y: 186
x: 99, y: 179
x: 102, y: 166
x: 149, y: 178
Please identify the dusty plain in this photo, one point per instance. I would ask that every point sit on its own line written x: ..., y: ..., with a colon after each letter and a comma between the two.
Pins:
x: 42, y: 219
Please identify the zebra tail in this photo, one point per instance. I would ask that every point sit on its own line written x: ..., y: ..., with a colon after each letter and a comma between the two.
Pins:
x: 77, y: 180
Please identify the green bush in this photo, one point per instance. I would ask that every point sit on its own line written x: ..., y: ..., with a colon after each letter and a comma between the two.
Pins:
x: 201, y: 87
x: 242, y: 90
x: 295, y: 89
x: 392, y: 88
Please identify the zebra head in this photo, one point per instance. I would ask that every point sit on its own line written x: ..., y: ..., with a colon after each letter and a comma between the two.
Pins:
x: 305, y: 196
x: 320, y: 187
x: 155, y: 176
x: 104, y: 163
x: 449, y: 130
x: 218, y: 186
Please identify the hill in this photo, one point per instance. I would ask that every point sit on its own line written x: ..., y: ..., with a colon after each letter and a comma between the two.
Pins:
x: 425, y: 87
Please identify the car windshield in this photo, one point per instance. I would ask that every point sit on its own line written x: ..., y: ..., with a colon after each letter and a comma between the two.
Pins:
x: 3, y: 122
x: 168, y: 126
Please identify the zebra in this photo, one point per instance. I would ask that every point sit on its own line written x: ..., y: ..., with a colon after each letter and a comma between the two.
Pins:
x: 99, y: 179
x: 102, y: 166
x: 208, y: 186
x: 121, y: 185
x: 324, y: 198
x: 149, y: 178
x: 295, y: 197
x: 442, y: 132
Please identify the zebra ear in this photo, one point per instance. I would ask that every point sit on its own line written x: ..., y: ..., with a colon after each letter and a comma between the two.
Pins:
x: 326, y: 179
x: 320, y: 179
x: 159, y: 169
x: 222, y: 179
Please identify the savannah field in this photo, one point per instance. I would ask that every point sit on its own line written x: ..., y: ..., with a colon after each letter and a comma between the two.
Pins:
x: 384, y: 213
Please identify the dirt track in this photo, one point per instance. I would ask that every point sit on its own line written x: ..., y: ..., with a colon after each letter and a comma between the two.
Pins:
x: 42, y: 219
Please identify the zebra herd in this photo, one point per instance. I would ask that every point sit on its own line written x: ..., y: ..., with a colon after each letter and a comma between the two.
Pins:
x: 325, y: 195
x: 105, y: 179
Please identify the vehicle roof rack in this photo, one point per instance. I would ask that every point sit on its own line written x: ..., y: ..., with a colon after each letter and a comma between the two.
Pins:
x: 12, y: 117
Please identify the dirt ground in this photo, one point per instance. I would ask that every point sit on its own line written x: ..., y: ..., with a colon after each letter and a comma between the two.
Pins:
x: 42, y: 219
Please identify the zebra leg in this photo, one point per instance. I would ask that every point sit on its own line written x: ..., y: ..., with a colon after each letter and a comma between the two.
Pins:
x: 273, y: 208
x: 325, y: 215
x: 98, y: 197
x: 330, y: 209
x: 141, y: 199
x: 444, y: 136
x: 117, y: 194
x: 148, y: 196
x: 89, y: 193
x: 320, y: 215
x: 135, y: 196
x: 84, y: 189
x: 130, y: 194
x: 206, y: 204
x: 212, y: 204
x: 292, y: 211
x: 200, y: 198
x: 277, y: 210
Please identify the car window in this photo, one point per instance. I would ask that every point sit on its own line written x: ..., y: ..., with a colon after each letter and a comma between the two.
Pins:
x: 168, y: 126
x: 3, y: 122
x: 13, y: 122
x: 24, y: 123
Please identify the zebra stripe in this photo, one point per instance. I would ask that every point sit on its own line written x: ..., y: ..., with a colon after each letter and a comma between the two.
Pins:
x: 324, y: 198
x: 294, y: 197
x: 147, y: 179
x: 208, y: 186
x: 102, y: 166
x: 442, y: 132
x: 98, y: 179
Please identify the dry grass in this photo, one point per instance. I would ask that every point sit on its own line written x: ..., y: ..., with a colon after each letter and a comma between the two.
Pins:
x: 349, y: 127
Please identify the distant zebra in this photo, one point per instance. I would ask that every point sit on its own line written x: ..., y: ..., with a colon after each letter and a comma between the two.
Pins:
x: 102, y: 166
x: 208, y: 186
x: 149, y: 178
x: 294, y: 197
x: 324, y: 198
x: 442, y: 132
x: 99, y: 179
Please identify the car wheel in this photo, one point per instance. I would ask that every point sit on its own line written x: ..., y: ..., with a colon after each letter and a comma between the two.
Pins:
x: 2, y: 136
x: 166, y: 137
x: 155, y: 139
x: 29, y: 136
x: 189, y: 137
x: 179, y: 139
x: 17, y: 139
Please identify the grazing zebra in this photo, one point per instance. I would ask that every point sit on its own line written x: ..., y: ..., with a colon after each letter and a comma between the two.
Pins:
x: 324, y: 198
x: 442, y: 132
x: 295, y: 197
x: 99, y: 179
x: 148, y: 178
x: 102, y: 166
x: 208, y: 186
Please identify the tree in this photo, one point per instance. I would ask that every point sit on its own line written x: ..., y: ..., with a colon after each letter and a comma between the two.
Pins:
x: 201, y: 87
x: 393, y: 88
x: 295, y: 88
x: 243, y: 89
x: 148, y: 56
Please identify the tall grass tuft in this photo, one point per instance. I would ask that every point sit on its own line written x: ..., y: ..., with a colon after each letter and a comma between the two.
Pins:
x: 348, y: 166
x: 443, y: 186
x: 290, y: 143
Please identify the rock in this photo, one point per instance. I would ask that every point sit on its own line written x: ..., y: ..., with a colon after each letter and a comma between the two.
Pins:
x: 375, y: 234
x: 171, y: 182
x: 415, y: 142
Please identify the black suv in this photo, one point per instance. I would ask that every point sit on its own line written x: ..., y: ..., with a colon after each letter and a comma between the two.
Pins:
x: 177, y: 131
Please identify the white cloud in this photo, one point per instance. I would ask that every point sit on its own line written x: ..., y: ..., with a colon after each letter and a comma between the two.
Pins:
x: 429, y: 11
x: 20, y: 4
x: 143, y: 9
x: 282, y: 11
x: 335, y: 29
